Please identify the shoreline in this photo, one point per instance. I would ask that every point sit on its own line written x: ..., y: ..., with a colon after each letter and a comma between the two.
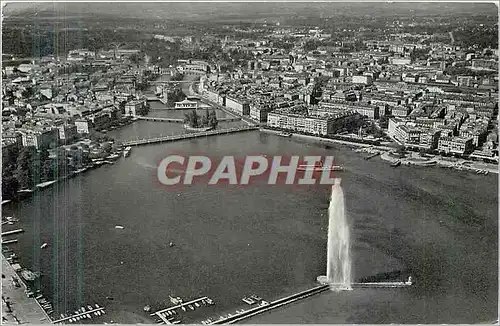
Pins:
x: 25, y: 309
x: 327, y: 140
x: 460, y: 164
x: 440, y: 162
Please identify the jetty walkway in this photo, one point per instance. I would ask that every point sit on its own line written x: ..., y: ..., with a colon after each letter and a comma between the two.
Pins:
x: 266, y: 306
x: 147, y: 141
x: 141, y: 117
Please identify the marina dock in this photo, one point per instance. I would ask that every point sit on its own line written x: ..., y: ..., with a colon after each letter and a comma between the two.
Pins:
x: 80, y: 315
x: 12, y: 232
x: 9, y: 241
x: 162, y: 314
x: 26, y: 309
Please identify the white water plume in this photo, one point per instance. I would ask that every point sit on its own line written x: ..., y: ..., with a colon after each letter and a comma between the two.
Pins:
x: 338, y: 270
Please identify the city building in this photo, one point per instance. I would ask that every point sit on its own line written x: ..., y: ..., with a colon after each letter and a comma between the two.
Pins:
x: 135, y: 108
x: 239, y: 106
x: 41, y: 138
x: 455, y: 145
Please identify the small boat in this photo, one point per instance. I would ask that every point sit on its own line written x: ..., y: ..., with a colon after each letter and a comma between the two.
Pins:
x: 486, y: 172
x: 248, y: 301
x: 147, y: 308
x: 29, y: 275
x: 396, y: 164
x: 175, y: 300
x: 191, y: 307
x: 197, y: 304
x: 88, y: 316
x: 171, y: 244
x: 285, y: 134
x: 97, y: 306
x: 44, y: 245
x: 201, y: 129
x: 118, y: 227
x: 113, y: 156
x: 127, y: 150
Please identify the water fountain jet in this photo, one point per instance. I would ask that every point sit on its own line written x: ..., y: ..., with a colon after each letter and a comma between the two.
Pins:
x: 338, y: 269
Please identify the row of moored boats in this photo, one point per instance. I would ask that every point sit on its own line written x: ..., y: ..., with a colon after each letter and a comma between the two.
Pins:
x: 83, y: 313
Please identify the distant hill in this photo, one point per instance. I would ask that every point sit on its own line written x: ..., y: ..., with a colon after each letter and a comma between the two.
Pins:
x: 240, y: 10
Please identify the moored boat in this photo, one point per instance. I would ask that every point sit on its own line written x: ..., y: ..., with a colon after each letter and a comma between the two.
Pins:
x: 396, y: 163
x: 285, y: 134
x: 29, y: 275
x: 188, y: 127
x: 126, y: 151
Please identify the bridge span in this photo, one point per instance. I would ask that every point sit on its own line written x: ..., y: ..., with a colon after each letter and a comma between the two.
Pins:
x: 147, y: 141
x: 158, y: 119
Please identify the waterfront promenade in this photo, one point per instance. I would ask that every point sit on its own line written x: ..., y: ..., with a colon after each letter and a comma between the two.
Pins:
x: 25, y: 310
x: 328, y: 140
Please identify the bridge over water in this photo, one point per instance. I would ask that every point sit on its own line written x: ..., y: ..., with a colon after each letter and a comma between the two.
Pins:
x: 180, y: 120
x: 147, y: 141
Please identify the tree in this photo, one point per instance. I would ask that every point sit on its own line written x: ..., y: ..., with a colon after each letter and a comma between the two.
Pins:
x: 191, y: 118
x: 25, y: 167
x: 205, y: 119
x: 212, y: 118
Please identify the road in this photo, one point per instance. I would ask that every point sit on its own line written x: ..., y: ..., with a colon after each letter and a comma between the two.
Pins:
x: 25, y: 309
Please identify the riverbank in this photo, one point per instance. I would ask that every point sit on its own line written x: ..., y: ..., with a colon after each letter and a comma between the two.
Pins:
x: 23, y: 309
x: 326, y: 140
x: 457, y: 164
x: 414, y: 159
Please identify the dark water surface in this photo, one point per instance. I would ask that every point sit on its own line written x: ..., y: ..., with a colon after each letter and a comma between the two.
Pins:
x: 438, y: 225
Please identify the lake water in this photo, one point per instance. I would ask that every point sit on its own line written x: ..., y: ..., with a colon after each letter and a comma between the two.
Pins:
x: 438, y: 225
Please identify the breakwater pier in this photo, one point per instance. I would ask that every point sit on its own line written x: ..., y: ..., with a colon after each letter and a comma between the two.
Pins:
x: 266, y: 306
